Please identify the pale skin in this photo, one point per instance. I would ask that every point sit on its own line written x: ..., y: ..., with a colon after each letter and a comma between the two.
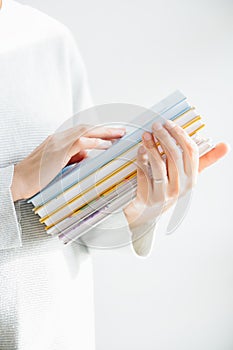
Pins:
x: 176, y: 177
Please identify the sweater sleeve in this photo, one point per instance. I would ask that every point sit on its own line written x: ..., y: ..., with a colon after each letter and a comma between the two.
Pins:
x: 141, y: 237
x: 115, y: 232
x: 10, y: 232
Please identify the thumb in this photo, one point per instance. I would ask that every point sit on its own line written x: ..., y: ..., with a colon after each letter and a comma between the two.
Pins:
x: 218, y: 152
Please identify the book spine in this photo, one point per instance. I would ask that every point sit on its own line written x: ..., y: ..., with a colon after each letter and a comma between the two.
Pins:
x: 76, y: 231
x: 52, y: 190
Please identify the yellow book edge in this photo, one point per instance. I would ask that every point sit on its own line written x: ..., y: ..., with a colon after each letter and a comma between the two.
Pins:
x: 103, y: 194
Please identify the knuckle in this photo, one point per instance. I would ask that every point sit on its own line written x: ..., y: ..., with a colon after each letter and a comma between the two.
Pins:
x: 149, y: 143
x: 154, y: 126
x: 179, y: 132
x: 161, y: 132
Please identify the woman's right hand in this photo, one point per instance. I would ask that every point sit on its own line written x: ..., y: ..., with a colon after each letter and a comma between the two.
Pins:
x: 35, y: 172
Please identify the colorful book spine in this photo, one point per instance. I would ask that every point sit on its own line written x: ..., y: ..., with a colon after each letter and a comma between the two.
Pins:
x: 85, y: 194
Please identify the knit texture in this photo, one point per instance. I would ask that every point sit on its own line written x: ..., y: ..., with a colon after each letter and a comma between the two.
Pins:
x: 46, y: 289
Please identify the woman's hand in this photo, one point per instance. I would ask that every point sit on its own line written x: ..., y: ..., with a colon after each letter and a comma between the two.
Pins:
x: 62, y: 148
x: 159, y: 183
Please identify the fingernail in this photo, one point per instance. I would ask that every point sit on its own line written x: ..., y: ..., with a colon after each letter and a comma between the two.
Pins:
x: 142, y: 150
x: 170, y: 124
x: 104, y: 144
x: 119, y: 131
x: 147, y: 136
x: 157, y: 126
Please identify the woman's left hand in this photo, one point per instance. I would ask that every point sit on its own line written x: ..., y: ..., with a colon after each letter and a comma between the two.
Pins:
x: 159, y: 183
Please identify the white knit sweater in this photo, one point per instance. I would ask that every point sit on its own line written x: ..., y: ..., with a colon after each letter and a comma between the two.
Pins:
x: 46, y: 294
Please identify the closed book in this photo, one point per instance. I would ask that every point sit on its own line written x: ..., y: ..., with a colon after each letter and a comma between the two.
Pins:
x: 177, y: 101
x: 68, y: 207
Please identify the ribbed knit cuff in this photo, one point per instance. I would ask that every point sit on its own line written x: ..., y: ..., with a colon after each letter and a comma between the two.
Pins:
x: 142, y: 238
x: 10, y: 231
x: 115, y: 232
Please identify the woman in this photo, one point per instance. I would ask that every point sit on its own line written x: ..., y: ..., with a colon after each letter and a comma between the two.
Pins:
x: 46, y: 299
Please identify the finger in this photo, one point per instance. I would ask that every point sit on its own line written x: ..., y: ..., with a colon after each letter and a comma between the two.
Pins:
x: 144, y: 184
x: 175, y: 167
x: 219, y: 151
x: 158, y: 167
x: 78, y: 157
x: 84, y: 143
x: 190, y: 150
x: 102, y: 132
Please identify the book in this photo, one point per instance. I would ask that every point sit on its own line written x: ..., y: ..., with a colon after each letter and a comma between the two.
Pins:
x: 86, y: 193
x: 177, y: 101
x: 97, y: 187
x: 99, y: 203
x: 78, y: 229
x: 109, y: 168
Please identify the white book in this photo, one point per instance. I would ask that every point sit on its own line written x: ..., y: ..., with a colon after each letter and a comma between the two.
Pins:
x: 85, y: 198
x: 91, y: 207
x: 76, y: 231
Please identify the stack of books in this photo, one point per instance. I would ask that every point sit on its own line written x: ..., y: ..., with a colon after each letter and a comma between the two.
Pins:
x: 86, y: 193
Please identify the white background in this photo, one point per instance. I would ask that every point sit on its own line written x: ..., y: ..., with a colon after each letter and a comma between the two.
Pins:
x: 137, y: 52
